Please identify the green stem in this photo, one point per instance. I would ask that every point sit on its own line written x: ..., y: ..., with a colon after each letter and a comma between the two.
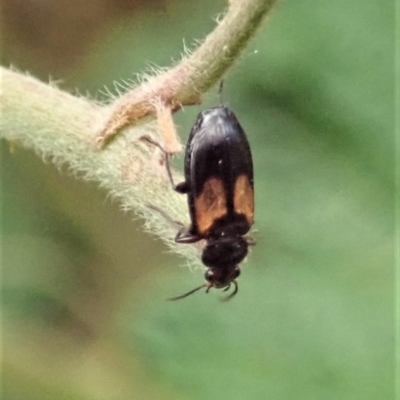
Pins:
x: 63, y: 128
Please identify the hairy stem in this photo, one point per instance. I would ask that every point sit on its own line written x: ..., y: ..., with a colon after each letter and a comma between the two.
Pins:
x: 59, y: 128
x: 62, y: 128
x: 185, y: 83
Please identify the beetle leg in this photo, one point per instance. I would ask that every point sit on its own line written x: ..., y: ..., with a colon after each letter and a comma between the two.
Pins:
x: 182, y: 187
x: 184, y: 236
x: 165, y: 215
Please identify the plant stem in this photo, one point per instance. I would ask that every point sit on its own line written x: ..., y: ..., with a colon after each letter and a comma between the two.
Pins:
x: 62, y: 128
x: 194, y: 75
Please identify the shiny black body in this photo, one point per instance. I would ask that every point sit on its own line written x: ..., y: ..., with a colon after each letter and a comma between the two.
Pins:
x: 219, y: 186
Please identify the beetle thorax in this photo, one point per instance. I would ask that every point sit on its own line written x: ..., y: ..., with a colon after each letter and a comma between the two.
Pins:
x: 224, y: 252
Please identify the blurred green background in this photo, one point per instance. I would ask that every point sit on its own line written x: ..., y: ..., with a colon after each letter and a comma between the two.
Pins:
x: 84, y: 316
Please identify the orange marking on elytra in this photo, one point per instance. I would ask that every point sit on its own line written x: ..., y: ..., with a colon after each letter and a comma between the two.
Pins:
x: 243, y: 200
x: 210, y: 204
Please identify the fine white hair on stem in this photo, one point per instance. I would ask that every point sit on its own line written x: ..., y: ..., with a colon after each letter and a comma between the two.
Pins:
x: 63, y: 128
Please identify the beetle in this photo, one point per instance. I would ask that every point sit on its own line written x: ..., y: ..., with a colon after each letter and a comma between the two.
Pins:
x: 219, y: 184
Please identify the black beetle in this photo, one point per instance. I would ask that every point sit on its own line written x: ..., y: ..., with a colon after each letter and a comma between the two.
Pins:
x: 220, y: 188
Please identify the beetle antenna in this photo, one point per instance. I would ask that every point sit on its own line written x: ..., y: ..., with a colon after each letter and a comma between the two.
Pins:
x: 233, y: 293
x: 220, y: 90
x: 182, y: 296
